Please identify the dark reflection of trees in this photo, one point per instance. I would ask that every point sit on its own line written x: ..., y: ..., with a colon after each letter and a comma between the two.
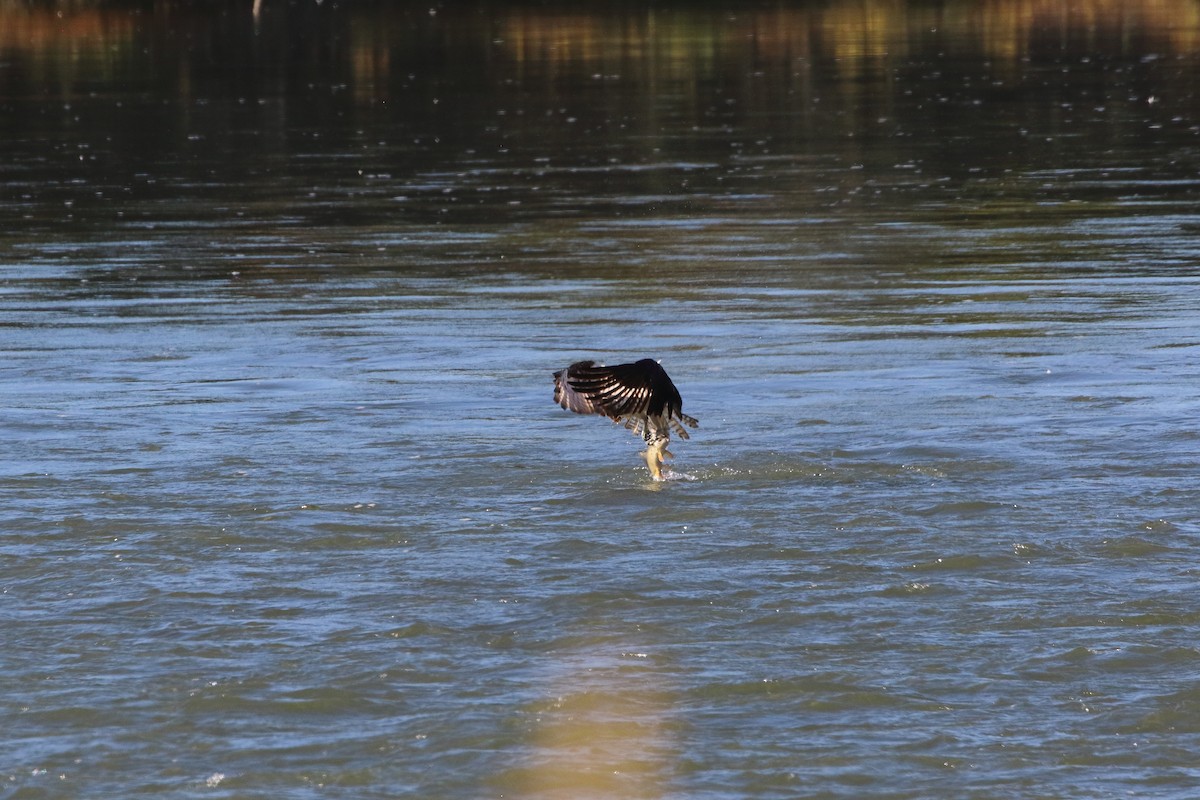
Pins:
x: 123, y: 90
x: 375, y: 47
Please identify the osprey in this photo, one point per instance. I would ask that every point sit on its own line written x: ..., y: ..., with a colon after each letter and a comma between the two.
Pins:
x: 639, y: 395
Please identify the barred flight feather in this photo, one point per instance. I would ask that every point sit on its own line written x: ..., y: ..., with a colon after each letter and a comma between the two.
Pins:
x: 640, y: 395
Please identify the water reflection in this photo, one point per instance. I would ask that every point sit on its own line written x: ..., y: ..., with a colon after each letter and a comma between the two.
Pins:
x: 752, y: 57
x: 396, y: 117
x: 593, y: 42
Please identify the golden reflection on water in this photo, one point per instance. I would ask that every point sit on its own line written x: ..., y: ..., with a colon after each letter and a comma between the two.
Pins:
x: 1003, y: 29
x: 676, y: 42
x: 62, y: 38
x: 603, y: 731
x: 855, y: 32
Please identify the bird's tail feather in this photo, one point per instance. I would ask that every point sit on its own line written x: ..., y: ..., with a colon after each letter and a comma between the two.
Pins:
x: 635, y: 424
x: 638, y: 425
x: 679, y: 429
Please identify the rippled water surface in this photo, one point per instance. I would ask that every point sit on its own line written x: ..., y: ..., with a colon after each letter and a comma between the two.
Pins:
x: 287, y: 509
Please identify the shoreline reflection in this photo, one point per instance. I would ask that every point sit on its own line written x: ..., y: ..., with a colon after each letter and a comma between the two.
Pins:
x: 80, y: 47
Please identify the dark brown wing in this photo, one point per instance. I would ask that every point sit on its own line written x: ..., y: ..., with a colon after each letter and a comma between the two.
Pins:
x: 566, y: 395
x: 638, y: 389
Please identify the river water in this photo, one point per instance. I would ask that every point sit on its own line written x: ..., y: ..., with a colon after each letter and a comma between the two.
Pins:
x: 287, y: 509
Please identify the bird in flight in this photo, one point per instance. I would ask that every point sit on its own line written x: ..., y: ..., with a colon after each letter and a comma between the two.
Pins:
x: 640, y: 395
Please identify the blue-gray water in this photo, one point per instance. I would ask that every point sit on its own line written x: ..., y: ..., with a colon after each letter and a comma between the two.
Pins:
x: 287, y: 509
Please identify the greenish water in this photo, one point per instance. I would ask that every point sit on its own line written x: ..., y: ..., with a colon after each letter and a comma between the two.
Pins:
x: 286, y: 507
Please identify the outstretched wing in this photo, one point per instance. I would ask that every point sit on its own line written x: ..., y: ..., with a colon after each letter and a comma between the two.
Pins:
x: 568, y: 397
x: 638, y: 390
x: 621, y: 390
